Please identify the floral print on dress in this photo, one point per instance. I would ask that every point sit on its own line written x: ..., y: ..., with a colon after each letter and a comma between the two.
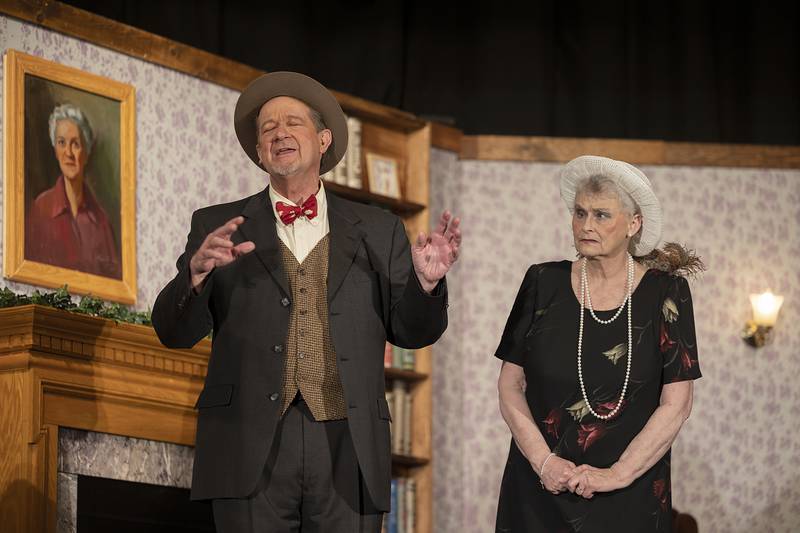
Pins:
x: 552, y: 422
x: 616, y: 353
x: 578, y: 410
x: 543, y: 343
x: 588, y: 434
x: 669, y: 310
x: 677, y: 341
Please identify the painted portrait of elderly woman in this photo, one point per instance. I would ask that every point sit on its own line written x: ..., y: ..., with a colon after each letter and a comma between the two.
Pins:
x: 67, y: 226
x: 70, y: 184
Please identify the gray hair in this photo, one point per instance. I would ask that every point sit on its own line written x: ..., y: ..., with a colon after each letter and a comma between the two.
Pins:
x: 599, y: 184
x: 73, y: 113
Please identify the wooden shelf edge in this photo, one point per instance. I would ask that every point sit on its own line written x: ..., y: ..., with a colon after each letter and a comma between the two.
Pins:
x: 404, y: 375
x: 399, y: 207
x: 409, y: 460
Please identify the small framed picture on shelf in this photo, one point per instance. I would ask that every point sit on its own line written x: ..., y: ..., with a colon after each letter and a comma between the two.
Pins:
x: 383, y: 175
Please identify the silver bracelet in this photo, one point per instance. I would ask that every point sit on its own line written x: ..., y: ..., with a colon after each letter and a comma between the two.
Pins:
x: 541, y: 470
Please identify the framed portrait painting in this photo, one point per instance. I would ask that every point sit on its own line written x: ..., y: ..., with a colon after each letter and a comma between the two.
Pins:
x: 70, y: 185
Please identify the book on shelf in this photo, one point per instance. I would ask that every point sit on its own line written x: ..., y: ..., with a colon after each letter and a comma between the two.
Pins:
x: 402, y: 515
x: 387, y: 355
x: 400, y: 407
x: 391, y: 520
x: 339, y: 172
x: 411, y: 504
x: 405, y: 438
x: 396, y: 357
x: 401, y: 505
x: 353, y: 154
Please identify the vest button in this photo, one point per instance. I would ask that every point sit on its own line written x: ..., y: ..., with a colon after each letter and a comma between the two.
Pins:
x: 301, y: 271
x: 301, y: 355
x: 278, y: 348
x: 302, y: 290
x: 303, y: 312
x: 273, y: 396
x: 285, y: 302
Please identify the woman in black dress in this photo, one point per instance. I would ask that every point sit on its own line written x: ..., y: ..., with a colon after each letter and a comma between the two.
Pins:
x: 594, y: 390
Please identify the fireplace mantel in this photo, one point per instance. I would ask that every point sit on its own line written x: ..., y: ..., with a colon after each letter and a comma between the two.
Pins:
x: 61, y: 369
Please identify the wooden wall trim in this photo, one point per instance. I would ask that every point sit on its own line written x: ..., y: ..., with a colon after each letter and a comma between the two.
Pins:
x: 446, y: 137
x: 638, y: 152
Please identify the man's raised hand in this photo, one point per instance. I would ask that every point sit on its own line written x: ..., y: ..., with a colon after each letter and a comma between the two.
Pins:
x: 217, y: 250
x: 434, y: 254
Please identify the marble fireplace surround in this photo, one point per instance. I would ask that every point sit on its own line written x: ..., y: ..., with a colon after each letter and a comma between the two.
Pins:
x: 87, y: 453
x: 86, y: 396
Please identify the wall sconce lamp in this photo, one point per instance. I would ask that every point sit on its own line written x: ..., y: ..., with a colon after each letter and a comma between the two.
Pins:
x: 758, y: 331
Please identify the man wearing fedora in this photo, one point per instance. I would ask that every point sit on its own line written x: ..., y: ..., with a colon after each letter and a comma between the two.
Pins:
x: 301, y: 289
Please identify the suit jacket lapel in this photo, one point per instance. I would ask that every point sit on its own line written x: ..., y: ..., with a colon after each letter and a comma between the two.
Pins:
x: 259, y: 227
x: 345, y: 239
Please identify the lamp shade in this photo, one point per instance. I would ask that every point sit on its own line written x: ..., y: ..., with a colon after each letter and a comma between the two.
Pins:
x: 765, y: 308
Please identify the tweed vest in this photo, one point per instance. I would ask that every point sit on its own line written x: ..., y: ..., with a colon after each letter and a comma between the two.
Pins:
x: 311, y: 366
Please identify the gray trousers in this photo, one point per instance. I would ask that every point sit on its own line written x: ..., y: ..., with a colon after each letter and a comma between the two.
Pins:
x: 311, y: 483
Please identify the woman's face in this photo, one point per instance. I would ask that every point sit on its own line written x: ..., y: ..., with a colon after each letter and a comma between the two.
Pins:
x: 600, y: 226
x: 70, y: 149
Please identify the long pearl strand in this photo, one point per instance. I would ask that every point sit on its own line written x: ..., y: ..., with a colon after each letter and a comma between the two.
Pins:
x: 588, y: 298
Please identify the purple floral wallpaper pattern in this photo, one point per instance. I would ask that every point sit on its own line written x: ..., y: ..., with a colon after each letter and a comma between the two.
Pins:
x: 187, y: 155
x: 736, y: 459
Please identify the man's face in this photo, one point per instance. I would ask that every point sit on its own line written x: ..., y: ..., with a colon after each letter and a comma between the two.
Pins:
x: 288, y: 142
x: 70, y: 149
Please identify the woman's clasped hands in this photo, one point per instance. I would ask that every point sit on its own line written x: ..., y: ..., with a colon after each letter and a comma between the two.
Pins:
x: 584, y: 480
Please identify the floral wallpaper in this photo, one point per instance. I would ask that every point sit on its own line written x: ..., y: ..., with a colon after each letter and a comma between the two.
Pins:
x: 735, y: 462
x: 187, y: 155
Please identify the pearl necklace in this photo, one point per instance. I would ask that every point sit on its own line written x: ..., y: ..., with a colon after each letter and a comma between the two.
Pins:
x: 588, y: 299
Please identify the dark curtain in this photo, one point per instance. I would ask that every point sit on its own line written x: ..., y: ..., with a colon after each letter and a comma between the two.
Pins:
x: 682, y: 70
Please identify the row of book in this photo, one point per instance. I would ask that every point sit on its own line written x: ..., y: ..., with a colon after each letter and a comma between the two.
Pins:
x: 396, y: 357
x: 348, y: 171
x: 402, y: 517
x: 400, y: 407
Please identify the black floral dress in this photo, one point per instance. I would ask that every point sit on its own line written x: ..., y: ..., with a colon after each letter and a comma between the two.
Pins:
x: 541, y: 336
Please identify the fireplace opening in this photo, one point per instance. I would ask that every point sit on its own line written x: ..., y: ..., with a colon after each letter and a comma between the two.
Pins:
x: 106, y: 505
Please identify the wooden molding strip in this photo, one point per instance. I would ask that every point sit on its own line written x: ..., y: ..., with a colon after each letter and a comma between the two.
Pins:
x: 638, y: 152
x: 446, y: 137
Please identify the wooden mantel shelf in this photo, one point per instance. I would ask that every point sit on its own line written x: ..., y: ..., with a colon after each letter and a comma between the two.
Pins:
x: 61, y: 369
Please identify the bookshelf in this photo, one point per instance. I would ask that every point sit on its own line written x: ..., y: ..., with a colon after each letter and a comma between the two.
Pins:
x: 407, y: 140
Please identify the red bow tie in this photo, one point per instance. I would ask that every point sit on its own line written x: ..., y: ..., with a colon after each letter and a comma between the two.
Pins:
x: 290, y: 213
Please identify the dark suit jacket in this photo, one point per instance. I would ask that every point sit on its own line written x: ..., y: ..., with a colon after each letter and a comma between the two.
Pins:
x: 373, y: 295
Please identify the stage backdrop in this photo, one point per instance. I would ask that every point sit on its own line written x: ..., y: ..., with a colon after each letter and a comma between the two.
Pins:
x: 187, y: 155
x: 735, y: 462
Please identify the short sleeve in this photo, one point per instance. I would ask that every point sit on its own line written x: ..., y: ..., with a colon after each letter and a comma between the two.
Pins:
x: 677, y: 339
x: 512, y: 344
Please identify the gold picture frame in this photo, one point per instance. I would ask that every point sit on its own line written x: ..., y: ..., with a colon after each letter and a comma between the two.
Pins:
x: 70, y: 179
x: 383, y: 175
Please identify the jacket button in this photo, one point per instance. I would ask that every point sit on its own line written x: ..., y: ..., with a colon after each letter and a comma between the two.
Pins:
x: 278, y: 348
x: 285, y: 302
x: 273, y: 396
x: 301, y: 355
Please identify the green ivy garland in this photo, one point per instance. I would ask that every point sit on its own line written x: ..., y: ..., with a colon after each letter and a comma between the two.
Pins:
x: 88, y: 305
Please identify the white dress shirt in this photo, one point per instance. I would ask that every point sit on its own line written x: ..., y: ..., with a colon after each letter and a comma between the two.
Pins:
x: 303, y: 235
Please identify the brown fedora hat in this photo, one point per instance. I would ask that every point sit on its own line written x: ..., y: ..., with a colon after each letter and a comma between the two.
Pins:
x: 305, y: 89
